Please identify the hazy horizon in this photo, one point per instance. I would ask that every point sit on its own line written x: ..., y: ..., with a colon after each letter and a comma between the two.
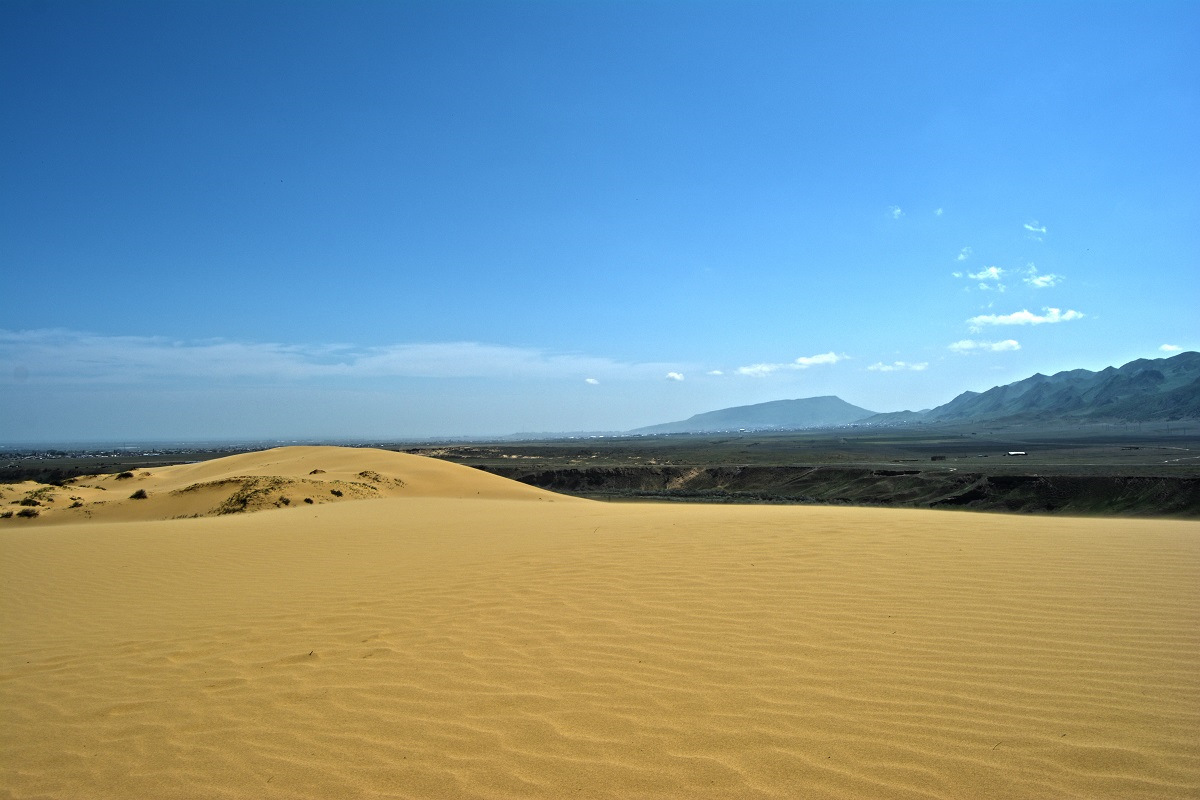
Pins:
x: 315, y: 221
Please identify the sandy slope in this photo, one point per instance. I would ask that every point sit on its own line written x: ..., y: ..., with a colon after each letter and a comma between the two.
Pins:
x: 430, y: 646
x: 254, y: 482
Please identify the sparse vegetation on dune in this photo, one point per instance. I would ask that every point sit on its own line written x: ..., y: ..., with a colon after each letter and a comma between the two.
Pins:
x: 251, y: 492
x: 247, y: 482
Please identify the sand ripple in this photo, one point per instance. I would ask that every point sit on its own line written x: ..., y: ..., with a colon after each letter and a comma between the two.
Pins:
x: 427, y: 647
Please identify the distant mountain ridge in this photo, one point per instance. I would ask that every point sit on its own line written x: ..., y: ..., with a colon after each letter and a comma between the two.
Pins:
x: 809, y: 412
x: 1144, y: 390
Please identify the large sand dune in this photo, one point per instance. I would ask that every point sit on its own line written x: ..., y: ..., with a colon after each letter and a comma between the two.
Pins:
x: 254, y: 482
x: 465, y: 637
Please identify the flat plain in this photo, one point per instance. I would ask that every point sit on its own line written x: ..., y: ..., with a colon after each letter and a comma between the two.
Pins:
x: 455, y: 634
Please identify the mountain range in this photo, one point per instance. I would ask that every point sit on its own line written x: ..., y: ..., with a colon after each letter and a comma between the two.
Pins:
x: 1141, y: 391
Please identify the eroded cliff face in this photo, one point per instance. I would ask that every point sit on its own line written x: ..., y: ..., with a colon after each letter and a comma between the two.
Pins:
x: 1148, y: 496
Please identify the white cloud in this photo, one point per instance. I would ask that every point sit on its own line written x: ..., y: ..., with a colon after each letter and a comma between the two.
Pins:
x: 759, y: 370
x: 964, y: 254
x: 824, y: 358
x: 1038, y: 281
x: 715, y: 372
x: 898, y: 366
x: 1023, y: 317
x: 65, y: 356
x: 956, y: 274
x: 937, y: 212
x: 895, y: 212
x: 1036, y: 230
x: 987, y: 274
x: 674, y: 376
x: 592, y: 381
x: 970, y: 345
x: 804, y: 362
x: 1170, y: 348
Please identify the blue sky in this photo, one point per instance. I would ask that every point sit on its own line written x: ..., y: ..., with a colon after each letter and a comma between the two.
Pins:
x: 295, y: 220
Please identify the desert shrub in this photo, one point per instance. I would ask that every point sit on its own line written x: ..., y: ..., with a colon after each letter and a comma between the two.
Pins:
x: 140, y: 494
x: 308, y: 500
x: 336, y: 492
x: 28, y: 501
x: 285, y: 501
x: 123, y: 475
x: 253, y: 492
x: 76, y: 504
x: 6, y: 515
x: 29, y: 513
x: 317, y: 472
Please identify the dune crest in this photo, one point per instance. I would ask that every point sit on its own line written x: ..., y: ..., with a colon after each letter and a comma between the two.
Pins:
x: 268, y: 479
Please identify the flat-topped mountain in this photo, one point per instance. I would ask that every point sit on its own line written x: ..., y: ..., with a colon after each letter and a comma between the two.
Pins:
x: 809, y: 412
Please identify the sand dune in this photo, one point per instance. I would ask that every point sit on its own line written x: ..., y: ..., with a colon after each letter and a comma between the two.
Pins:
x: 426, y: 645
x: 255, y: 482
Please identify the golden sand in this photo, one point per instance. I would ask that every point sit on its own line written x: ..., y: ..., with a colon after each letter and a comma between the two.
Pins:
x: 464, y: 636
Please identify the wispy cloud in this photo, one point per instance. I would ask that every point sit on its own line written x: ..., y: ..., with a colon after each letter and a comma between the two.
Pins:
x: 715, y: 372
x: 804, y: 362
x: 987, y: 274
x: 1040, y: 281
x: 937, y: 212
x: 898, y: 366
x: 824, y: 358
x: 1036, y: 230
x: 989, y: 279
x: 66, y: 356
x: 972, y: 346
x: 592, y: 381
x: 895, y: 212
x: 1043, y: 281
x: 1170, y: 348
x: 1024, y: 317
x: 760, y: 370
x: 674, y: 376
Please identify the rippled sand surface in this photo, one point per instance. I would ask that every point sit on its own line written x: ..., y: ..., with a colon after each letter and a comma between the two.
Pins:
x: 442, y: 643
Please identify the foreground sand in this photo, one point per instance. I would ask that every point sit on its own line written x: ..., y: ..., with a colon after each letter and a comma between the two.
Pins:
x: 531, y: 645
